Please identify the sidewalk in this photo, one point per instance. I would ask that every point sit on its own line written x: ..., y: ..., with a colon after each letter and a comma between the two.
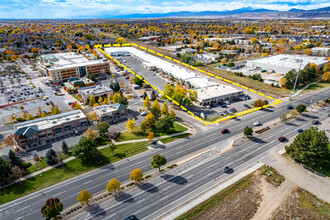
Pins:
x: 101, y: 147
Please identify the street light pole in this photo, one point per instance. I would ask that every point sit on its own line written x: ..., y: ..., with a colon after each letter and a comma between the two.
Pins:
x: 295, y: 83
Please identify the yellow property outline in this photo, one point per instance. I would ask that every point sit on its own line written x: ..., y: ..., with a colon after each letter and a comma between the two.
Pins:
x: 195, y: 68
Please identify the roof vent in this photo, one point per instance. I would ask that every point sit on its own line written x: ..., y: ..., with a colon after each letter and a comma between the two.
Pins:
x: 78, y: 116
x: 54, y: 122
x: 68, y: 119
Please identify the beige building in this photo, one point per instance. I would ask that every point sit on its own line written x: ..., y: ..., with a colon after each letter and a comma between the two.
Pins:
x: 97, y: 91
x: 39, y: 132
x: 63, y: 66
x: 111, y: 112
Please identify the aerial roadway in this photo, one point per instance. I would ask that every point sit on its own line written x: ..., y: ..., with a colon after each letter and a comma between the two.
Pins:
x: 155, y: 203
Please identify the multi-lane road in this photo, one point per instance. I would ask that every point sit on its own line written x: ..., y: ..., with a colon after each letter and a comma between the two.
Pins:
x: 28, y: 207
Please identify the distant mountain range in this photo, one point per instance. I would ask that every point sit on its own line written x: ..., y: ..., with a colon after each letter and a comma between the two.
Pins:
x: 247, y: 12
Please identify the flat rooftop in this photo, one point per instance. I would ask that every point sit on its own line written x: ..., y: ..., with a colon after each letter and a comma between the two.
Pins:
x: 215, y: 91
x: 202, y: 82
x: 68, y: 60
x: 48, y: 122
x: 94, y: 90
x: 103, y: 109
x: 291, y: 61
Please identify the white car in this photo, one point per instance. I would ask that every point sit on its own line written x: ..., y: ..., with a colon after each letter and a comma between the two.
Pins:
x: 257, y: 123
x: 144, y: 113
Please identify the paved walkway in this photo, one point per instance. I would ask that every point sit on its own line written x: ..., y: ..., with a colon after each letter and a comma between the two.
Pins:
x: 101, y: 147
x: 314, y: 183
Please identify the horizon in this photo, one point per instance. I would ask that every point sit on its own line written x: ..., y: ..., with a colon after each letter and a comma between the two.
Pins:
x: 89, y: 9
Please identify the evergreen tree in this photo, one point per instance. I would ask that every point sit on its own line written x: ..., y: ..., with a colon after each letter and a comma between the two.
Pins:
x: 65, y: 148
x: 153, y: 96
x: 14, y: 160
x: 51, y: 157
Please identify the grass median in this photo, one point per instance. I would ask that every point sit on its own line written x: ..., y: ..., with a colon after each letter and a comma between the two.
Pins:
x: 170, y: 139
x: 70, y: 169
x: 127, y: 135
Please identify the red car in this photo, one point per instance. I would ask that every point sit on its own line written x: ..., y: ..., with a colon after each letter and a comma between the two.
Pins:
x: 223, y: 131
x: 281, y: 139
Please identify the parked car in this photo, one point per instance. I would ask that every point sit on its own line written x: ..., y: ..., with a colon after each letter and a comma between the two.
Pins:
x: 315, y: 122
x: 281, y: 139
x: 144, y: 113
x: 246, y: 106
x: 208, y: 107
x: 223, y: 131
x: 290, y: 107
x: 227, y: 169
x: 69, y: 103
x: 234, y: 109
x: 226, y: 112
x: 76, y: 132
x: 223, y: 106
x: 300, y: 130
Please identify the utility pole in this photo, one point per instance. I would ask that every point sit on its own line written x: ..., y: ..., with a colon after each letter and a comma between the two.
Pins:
x: 295, y: 83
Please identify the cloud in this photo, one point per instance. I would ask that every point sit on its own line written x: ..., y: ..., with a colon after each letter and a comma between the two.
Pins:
x: 81, y: 8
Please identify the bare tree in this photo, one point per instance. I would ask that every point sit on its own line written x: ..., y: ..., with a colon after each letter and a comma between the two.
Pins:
x: 19, y: 80
x: 11, y: 81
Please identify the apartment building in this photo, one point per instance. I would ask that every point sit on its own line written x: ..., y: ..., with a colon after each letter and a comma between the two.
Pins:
x: 63, y: 66
x: 39, y: 132
x: 111, y: 112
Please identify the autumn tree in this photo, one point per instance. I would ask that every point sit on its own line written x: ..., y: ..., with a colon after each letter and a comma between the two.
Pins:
x: 56, y: 110
x: 284, y: 117
x: 258, y: 103
x: 52, y: 209
x: 130, y: 125
x: 150, y: 136
x: 172, y: 114
x: 100, y: 100
x: 151, y: 120
x: 113, y: 185
x: 30, y: 117
x: 155, y: 109
x: 84, y: 197
x: 293, y: 113
x: 10, y: 140
x: 147, y: 102
x: 91, y: 133
x: 91, y: 100
x: 136, y: 175
x: 326, y: 77
x: 164, y: 110
x: 248, y: 131
x: 121, y: 40
x: 158, y: 161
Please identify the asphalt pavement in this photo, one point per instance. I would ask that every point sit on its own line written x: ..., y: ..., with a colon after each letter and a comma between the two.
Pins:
x: 28, y: 207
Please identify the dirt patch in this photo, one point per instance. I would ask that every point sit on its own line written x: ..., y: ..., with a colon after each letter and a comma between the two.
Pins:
x: 302, y: 205
x: 238, y: 201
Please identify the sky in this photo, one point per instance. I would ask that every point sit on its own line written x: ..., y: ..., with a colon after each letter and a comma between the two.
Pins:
x: 43, y: 9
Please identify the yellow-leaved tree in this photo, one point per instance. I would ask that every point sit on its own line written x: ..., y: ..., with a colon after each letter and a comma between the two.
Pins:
x: 136, y: 175
x: 84, y: 197
x: 130, y: 125
x: 113, y: 185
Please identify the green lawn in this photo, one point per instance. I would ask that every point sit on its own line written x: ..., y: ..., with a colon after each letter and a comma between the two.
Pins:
x: 77, y: 97
x: 170, y: 139
x: 127, y: 135
x: 228, y: 193
x: 71, y: 169
x: 315, y: 87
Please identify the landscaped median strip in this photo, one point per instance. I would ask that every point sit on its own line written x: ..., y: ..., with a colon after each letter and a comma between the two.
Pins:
x: 203, y: 71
